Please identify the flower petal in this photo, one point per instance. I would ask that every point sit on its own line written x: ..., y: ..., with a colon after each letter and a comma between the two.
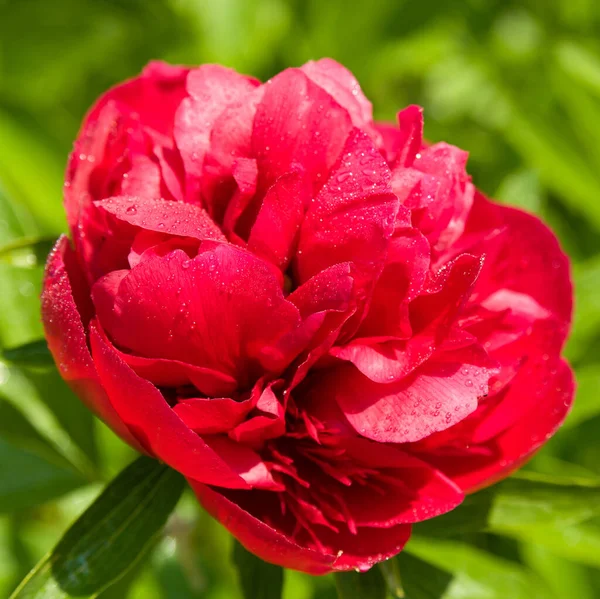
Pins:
x: 297, y: 122
x: 155, y: 311
x: 163, y: 216
x: 67, y: 341
x: 258, y: 537
x: 433, y: 398
x: 211, y: 89
x: 145, y: 411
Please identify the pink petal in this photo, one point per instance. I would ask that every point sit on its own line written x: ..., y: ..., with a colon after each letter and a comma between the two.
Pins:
x: 230, y: 143
x: 402, y: 279
x: 414, y: 491
x: 529, y: 261
x: 209, y: 416
x: 434, y: 398
x: 173, y: 373
x: 482, y: 465
x: 410, y: 140
x: 366, y: 548
x: 163, y: 216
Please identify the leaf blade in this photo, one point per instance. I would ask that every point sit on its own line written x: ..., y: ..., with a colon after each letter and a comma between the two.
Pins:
x: 110, y: 536
x: 258, y: 579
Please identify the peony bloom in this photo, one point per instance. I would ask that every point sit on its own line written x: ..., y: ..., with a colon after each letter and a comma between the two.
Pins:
x: 315, y: 318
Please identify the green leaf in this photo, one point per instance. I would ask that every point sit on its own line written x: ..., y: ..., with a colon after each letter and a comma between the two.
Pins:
x: 357, y: 585
x: 391, y: 573
x: 580, y: 64
x: 47, y: 403
x: 258, y: 579
x: 110, y: 536
x: 566, y: 578
x: 525, y: 500
x: 421, y: 580
x: 19, y: 432
x: 29, y: 480
x: 477, y: 573
x: 34, y: 353
x: 27, y: 252
x: 586, y: 324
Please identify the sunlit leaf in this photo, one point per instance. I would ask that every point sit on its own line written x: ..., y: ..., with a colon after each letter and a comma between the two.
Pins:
x: 477, y: 573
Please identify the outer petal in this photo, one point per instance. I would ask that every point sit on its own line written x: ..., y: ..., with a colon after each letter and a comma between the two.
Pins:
x: 475, y: 466
x: 260, y: 538
x: 529, y: 261
x: 145, y: 411
x: 150, y: 100
x: 67, y: 341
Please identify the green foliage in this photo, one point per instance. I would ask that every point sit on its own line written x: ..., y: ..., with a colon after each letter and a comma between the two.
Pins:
x: 258, y: 579
x: 110, y: 536
x: 515, y: 82
x: 368, y: 585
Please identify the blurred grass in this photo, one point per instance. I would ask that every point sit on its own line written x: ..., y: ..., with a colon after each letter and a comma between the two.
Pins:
x: 517, y: 83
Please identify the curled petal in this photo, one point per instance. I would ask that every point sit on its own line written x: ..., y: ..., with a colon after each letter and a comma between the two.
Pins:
x: 261, y: 539
x: 161, y: 432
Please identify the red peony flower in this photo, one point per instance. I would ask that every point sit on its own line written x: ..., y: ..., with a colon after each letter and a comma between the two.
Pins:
x: 317, y: 319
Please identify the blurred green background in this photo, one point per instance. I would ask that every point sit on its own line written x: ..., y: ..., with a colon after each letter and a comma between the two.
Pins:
x: 517, y: 83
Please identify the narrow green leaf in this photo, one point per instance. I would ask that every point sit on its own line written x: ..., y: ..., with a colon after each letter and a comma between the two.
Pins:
x: 51, y: 408
x: 566, y: 578
x: 579, y: 63
x: 477, y: 573
x: 110, y: 536
x: 525, y: 500
x: 27, y: 252
x: 356, y: 585
x: 258, y: 579
x: 34, y: 353
x: 586, y: 403
x: 29, y: 480
x: 19, y: 432
x: 586, y: 324
x: 420, y: 579
x: 391, y: 573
